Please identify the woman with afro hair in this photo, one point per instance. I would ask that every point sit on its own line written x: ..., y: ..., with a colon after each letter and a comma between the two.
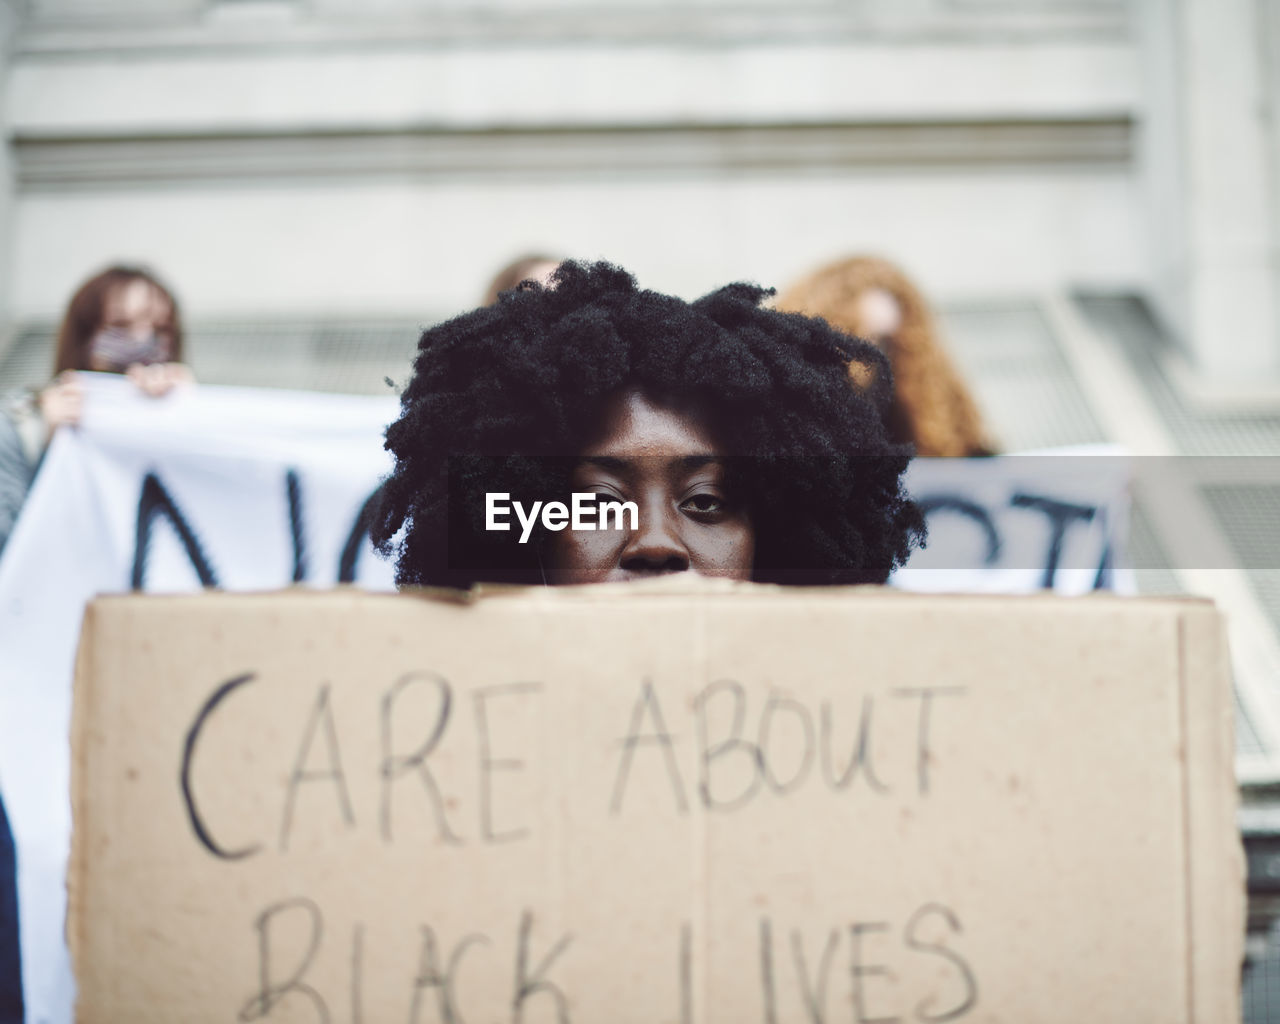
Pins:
x: 732, y: 428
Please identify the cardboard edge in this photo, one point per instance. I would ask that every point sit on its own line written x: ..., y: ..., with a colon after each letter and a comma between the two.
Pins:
x: 81, y: 802
x: 662, y: 587
x: 1216, y: 890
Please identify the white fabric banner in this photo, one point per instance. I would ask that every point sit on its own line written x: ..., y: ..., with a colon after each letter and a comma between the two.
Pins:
x: 257, y: 490
x: 262, y: 487
x: 1054, y: 519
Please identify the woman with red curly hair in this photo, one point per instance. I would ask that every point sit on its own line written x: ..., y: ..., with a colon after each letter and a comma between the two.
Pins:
x: 873, y: 299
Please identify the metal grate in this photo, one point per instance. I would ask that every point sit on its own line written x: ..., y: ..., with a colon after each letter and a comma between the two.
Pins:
x: 1021, y: 380
x: 353, y: 357
x: 1249, y: 514
x: 349, y: 357
x: 1249, y: 518
x: 1127, y: 322
x: 28, y: 361
x: 1248, y: 742
x: 1261, y: 991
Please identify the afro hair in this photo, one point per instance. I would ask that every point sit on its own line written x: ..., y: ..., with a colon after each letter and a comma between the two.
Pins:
x: 505, y: 397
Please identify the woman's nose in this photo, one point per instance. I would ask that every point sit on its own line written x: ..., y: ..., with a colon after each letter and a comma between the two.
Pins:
x: 656, y: 547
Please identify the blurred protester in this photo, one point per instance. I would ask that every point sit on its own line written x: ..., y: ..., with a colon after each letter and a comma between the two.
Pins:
x: 732, y: 429
x: 533, y: 267
x: 122, y: 320
x: 873, y: 299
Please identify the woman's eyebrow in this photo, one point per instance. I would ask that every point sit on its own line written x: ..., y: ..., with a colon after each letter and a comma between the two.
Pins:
x: 609, y: 463
x: 689, y: 463
x: 624, y: 465
x: 620, y: 464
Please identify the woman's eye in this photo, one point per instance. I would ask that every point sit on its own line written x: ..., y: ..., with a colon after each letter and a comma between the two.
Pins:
x: 704, y: 504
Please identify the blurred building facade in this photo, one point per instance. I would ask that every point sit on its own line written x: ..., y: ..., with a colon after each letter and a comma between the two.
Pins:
x: 383, y: 157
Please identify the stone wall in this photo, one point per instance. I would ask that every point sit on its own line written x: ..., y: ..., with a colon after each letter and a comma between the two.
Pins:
x: 386, y: 157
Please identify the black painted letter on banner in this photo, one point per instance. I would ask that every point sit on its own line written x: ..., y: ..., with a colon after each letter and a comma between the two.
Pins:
x: 153, y: 501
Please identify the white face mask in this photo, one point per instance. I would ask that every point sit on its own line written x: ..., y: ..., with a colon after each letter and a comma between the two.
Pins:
x: 118, y: 349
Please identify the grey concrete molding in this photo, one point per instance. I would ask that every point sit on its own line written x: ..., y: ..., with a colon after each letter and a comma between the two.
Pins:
x: 49, y: 163
x: 124, y: 26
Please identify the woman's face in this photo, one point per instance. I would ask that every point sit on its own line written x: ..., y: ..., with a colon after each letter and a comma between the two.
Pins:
x: 671, y: 467
x: 136, y: 327
x: 541, y: 272
x: 879, y: 317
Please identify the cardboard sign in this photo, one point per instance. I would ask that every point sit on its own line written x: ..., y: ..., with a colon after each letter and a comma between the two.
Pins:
x: 654, y: 804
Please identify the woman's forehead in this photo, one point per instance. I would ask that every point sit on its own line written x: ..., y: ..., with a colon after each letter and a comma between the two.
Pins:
x: 633, y: 425
x: 137, y: 299
x: 879, y: 313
